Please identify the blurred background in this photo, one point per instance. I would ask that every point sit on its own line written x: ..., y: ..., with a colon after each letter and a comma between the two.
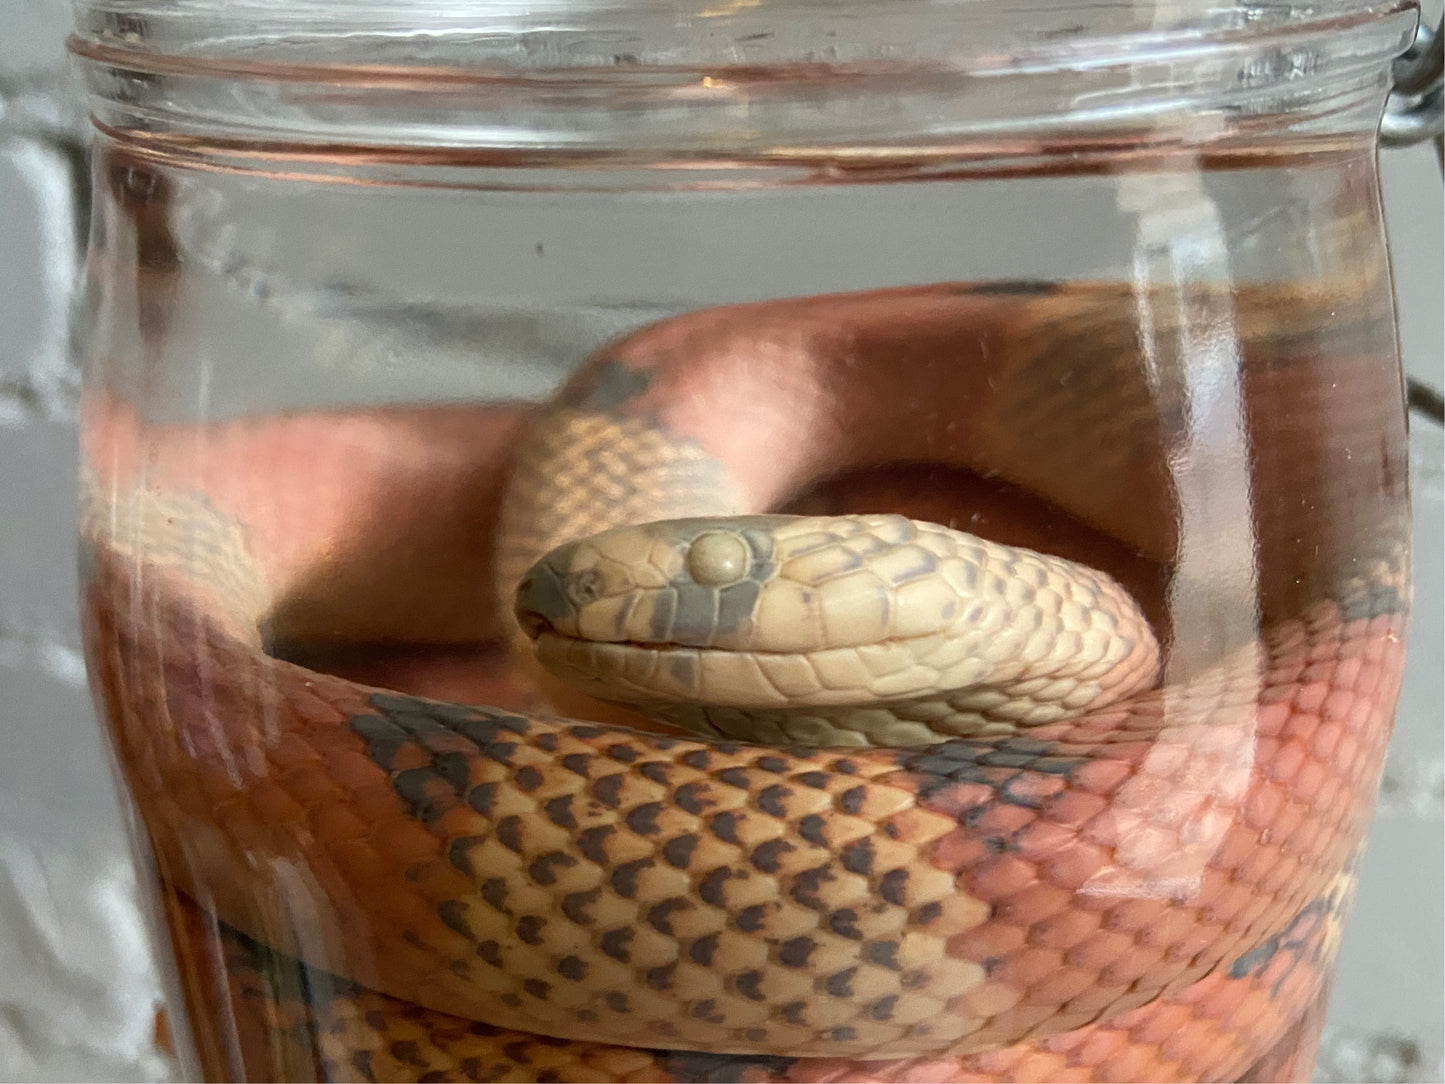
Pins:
x: 78, y: 975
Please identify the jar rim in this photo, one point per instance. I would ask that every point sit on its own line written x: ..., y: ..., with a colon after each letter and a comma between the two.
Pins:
x: 513, y: 36
x: 728, y: 76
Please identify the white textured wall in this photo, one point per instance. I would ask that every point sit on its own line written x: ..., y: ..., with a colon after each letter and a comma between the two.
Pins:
x: 76, y: 972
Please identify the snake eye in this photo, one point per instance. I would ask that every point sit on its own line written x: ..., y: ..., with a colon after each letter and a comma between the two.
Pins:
x: 718, y: 558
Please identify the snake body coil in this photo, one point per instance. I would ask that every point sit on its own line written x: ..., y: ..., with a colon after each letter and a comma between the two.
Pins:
x: 1069, y: 871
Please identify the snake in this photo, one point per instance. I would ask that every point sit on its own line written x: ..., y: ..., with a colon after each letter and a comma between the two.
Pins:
x: 918, y: 804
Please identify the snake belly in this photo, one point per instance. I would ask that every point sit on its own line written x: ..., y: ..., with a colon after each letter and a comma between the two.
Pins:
x: 998, y: 890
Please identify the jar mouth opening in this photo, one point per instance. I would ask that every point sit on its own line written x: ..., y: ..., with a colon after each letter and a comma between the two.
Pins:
x: 725, y: 76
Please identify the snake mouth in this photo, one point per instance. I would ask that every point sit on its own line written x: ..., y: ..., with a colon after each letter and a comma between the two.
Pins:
x: 534, y: 624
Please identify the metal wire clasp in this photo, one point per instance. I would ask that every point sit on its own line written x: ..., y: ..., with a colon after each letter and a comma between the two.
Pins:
x: 1413, y: 112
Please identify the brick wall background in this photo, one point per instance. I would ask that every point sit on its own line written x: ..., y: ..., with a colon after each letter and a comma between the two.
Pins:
x: 77, y: 976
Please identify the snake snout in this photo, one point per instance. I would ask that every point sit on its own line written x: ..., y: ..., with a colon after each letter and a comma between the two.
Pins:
x: 542, y: 601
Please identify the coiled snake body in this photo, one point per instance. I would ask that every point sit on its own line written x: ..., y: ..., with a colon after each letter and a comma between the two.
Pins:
x: 1075, y: 872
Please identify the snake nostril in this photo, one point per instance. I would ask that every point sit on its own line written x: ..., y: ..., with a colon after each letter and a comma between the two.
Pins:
x: 533, y: 623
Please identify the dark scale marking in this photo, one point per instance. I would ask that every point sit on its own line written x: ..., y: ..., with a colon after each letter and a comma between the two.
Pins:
x: 811, y: 828
x: 454, y: 914
x: 844, y: 922
x: 624, y: 877
x: 587, y: 733
x: 576, y: 763
x: 537, y: 988
x: 750, y: 919
x: 460, y: 967
x: 546, y: 741
x: 927, y: 913
x: 892, y: 886
x: 677, y: 852
x: 1012, y: 287
x: 616, y: 943
x: 572, y: 968
x: 543, y: 868
x: 843, y: 1035
x: 660, y: 978
x: 735, y: 605
x: 816, y: 780
x: 992, y: 965
x: 575, y: 905
x: 795, y: 953
x: 701, y: 951
x: 617, y: 1002
x: 623, y: 754
x: 707, y: 1010
x: 481, y: 798
x: 512, y: 1001
x: 657, y: 771
x: 643, y: 819
x: 528, y: 778
x: 611, y: 384
x: 559, y: 812
x: 592, y: 842
x: 696, y: 758
x: 882, y: 953
x: 383, y: 738
x: 724, y: 1068
x: 857, y: 857
x: 509, y: 833
x: 376, y: 1020
x: 882, y: 1009
x: 735, y: 777
x: 550, y: 1076
x: 841, y: 983
x: 499, y: 751
x: 529, y: 929
x: 767, y: 857
x: 408, y: 1053
x: 412, y: 939
x: 775, y: 764
x: 659, y: 915
x: 755, y: 1035
x: 793, y: 1012
x: 491, y: 952
x: 772, y: 800
x: 607, y: 789
x: 361, y: 1062
x: 851, y: 800
x: 844, y: 767
x: 710, y: 888
x: 746, y: 984
x: 494, y: 891
x: 690, y: 797
x: 1007, y: 759
x: 1377, y: 600
x: 426, y: 794
x: 1015, y: 794
x: 517, y: 1051
x: 454, y: 768
x: 725, y: 827
x: 806, y: 885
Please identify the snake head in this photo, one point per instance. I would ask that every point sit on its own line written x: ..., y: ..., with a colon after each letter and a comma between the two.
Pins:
x: 771, y: 612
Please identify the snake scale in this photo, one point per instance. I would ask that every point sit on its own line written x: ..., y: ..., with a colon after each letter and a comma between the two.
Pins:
x: 1143, y: 883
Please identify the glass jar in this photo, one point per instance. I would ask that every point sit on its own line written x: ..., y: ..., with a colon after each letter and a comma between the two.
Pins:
x: 996, y: 414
